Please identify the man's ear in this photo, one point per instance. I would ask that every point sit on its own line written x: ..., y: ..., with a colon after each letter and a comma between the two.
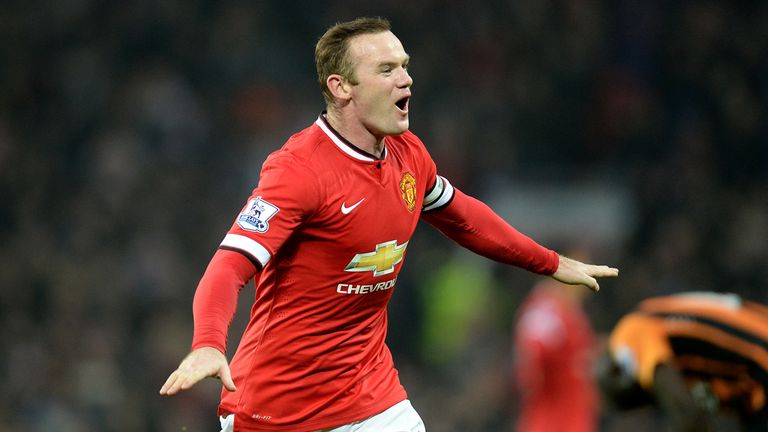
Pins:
x: 339, y: 86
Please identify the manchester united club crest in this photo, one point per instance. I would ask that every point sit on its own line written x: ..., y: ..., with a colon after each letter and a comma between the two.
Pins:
x: 408, y: 190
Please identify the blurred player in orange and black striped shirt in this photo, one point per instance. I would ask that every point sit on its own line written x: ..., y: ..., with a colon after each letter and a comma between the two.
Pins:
x: 694, y: 355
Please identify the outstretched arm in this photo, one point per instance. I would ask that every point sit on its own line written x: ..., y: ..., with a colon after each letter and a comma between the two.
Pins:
x: 213, y: 309
x: 473, y: 225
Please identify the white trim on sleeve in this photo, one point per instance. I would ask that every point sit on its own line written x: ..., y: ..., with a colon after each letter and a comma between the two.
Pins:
x: 441, y: 194
x: 436, y: 191
x: 247, y: 245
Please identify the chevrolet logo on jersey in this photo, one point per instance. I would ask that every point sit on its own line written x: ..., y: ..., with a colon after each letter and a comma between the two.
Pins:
x: 381, y: 261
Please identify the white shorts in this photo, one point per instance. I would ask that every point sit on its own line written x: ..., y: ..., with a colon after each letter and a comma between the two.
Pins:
x: 400, y: 417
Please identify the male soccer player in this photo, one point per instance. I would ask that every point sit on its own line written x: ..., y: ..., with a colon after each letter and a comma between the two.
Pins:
x: 326, y: 230
x: 695, y: 355
x: 554, y: 351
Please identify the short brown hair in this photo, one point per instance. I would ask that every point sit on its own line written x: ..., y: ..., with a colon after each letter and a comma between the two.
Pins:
x: 332, y: 49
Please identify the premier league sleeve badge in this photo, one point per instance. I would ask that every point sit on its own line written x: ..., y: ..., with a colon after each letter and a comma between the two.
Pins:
x: 256, y: 215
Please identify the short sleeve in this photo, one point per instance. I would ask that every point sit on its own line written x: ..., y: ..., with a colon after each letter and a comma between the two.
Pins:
x: 286, y: 196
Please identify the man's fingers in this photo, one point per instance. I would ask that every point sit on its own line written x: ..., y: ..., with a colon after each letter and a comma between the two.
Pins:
x: 191, y: 380
x: 167, y: 388
x: 604, y: 271
x: 199, y: 364
x: 226, y: 379
x: 591, y: 283
x: 181, y: 381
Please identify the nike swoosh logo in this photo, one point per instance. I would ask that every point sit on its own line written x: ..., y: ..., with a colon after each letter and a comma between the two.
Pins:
x: 347, y: 210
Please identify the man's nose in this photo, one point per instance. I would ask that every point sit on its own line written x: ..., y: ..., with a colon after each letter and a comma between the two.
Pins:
x: 405, y: 79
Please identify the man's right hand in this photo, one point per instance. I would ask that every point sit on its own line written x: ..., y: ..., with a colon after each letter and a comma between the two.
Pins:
x: 201, y: 363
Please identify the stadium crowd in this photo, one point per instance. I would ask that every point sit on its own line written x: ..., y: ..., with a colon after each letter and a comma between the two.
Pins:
x: 130, y: 133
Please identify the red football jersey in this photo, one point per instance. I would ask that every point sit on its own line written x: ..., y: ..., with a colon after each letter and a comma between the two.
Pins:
x: 313, y: 353
x: 554, y: 351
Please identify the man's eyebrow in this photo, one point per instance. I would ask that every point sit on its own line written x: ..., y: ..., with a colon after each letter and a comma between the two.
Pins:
x: 405, y: 60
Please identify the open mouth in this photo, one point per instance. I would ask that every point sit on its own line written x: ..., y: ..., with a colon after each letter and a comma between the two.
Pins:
x: 402, y: 104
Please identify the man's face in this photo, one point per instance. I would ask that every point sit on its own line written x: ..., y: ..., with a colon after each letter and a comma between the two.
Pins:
x: 380, y: 97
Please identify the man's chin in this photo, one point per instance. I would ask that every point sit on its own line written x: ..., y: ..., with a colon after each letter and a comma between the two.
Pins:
x: 401, y: 127
x: 396, y: 128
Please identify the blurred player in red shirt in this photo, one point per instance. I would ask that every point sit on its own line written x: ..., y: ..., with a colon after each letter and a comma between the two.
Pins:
x: 325, y: 234
x: 554, y: 349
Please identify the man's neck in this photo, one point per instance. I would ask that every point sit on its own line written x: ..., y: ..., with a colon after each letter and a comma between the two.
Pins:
x: 355, y: 132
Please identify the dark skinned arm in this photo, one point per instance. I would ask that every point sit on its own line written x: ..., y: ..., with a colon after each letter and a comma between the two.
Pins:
x: 674, y: 398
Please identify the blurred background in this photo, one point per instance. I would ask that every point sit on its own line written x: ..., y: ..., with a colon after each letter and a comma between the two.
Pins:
x: 131, y: 134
